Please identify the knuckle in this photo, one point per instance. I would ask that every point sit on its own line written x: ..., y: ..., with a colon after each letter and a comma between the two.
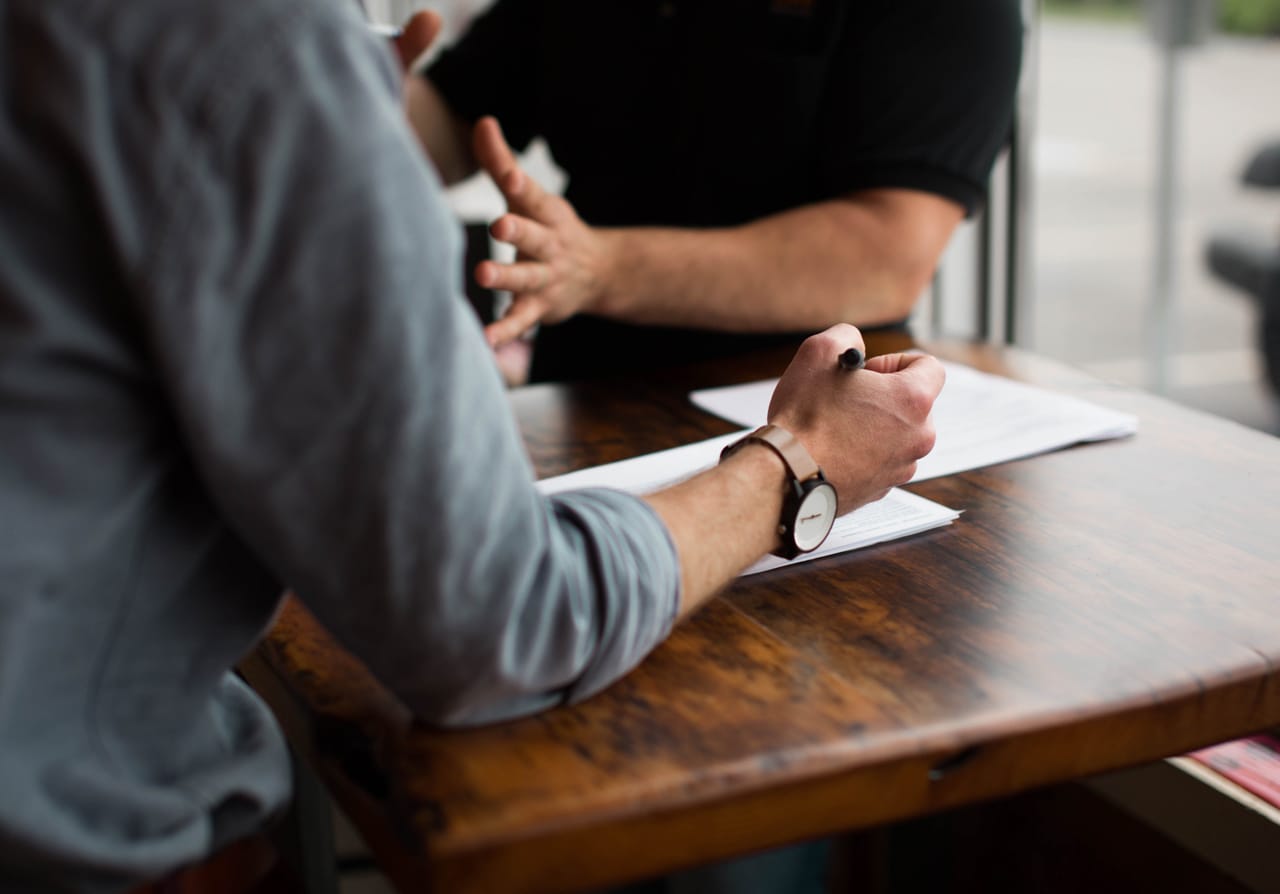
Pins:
x: 941, y: 370
x: 928, y: 437
x: 822, y: 344
x: 917, y: 400
x: 842, y: 332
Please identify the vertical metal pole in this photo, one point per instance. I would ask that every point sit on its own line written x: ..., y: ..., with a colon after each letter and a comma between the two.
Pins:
x: 982, y: 301
x: 1019, y: 259
x: 1016, y: 226
x: 1164, y: 279
x: 935, y: 306
x: 937, y: 301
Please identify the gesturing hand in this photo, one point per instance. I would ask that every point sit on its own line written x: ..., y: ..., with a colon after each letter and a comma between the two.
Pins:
x: 561, y: 263
x: 866, y: 429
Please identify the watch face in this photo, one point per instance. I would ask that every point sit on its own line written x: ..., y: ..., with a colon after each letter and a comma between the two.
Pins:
x: 816, y: 516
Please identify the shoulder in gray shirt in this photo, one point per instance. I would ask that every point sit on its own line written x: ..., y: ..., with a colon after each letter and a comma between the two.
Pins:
x: 234, y: 358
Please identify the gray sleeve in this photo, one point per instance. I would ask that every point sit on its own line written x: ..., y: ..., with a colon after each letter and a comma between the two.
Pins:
x: 303, y: 303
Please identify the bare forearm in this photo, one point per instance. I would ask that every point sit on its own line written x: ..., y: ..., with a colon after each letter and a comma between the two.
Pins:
x: 863, y: 261
x: 860, y: 258
x: 722, y: 521
x: 444, y: 136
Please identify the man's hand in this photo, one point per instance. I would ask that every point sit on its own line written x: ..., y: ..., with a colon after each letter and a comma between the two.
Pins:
x: 561, y: 264
x: 866, y: 429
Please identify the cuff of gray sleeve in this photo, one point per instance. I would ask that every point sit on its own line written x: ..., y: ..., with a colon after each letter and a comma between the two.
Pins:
x: 638, y: 582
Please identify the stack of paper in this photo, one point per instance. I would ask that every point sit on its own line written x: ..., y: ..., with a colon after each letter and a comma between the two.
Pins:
x: 900, y: 514
x: 980, y: 419
x: 896, y: 515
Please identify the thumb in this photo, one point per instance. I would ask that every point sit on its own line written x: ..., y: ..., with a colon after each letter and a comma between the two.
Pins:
x: 886, y: 363
x: 417, y: 36
x: 892, y: 363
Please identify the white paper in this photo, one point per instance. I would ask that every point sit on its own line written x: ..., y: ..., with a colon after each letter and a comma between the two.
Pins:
x: 645, y: 474
x: 980, y: 419
x: 899, y: 514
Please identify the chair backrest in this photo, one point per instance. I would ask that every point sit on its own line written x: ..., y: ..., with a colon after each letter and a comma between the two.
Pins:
x: 983, y: 286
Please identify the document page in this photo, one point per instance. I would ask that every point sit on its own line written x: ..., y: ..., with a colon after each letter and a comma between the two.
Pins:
x: 980, y: 419
x: 896, y: 515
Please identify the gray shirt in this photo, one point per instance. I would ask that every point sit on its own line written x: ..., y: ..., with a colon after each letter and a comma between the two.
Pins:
x: 234, y: 358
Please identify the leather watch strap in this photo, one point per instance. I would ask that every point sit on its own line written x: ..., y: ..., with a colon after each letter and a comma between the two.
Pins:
x: 786, y: 445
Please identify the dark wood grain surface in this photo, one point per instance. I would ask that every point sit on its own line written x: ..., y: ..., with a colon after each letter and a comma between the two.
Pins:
x: 1092, y: 608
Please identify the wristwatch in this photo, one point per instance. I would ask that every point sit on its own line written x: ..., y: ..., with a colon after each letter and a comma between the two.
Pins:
x: 809, y: 506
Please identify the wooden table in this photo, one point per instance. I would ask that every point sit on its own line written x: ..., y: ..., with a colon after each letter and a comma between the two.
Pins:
x: 1093, y: 608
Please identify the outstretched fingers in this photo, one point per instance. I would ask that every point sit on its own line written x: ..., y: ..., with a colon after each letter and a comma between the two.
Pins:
x: 497, y: 159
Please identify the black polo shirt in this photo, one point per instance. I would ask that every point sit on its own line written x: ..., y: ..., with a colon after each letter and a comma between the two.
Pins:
x: 703, y: 113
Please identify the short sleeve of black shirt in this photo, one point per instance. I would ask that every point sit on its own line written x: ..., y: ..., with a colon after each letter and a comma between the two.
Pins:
x: 921, y: 97
x: 493, y: 70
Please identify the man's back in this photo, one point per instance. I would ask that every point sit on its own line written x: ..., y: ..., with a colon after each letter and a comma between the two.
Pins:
x: 125, y: 750
x: 234, y: 354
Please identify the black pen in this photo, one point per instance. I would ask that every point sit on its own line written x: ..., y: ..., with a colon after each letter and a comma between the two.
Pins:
x: 852, y: 359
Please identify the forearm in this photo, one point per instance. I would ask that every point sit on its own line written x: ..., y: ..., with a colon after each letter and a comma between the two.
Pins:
x: 863, y: 261
x: 444, y: 136
x: 722, y: 520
